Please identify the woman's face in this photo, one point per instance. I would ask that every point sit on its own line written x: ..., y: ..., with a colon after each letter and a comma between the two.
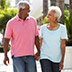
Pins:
x: 51, y: 17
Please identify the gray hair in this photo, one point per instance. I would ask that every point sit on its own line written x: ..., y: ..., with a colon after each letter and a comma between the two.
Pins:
x: 57, y: 10
x: 21, y: 4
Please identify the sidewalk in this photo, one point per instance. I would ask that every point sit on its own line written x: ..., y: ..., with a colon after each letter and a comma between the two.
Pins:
x: 67, y: 64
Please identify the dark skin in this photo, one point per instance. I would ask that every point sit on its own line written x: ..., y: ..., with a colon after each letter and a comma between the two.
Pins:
x: 53, y: 26
x: 6, y: 58
x: 23, y: 14
x: 63, y: 53
x: 37, y: 43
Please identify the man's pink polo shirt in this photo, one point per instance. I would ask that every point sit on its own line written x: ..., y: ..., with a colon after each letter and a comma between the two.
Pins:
x: 22, y: 35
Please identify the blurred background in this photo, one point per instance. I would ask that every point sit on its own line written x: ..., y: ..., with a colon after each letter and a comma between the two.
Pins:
x: 39, y: 10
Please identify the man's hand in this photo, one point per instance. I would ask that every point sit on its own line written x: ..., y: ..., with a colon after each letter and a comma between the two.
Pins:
x: 37, y: 56
x: 6, y: 61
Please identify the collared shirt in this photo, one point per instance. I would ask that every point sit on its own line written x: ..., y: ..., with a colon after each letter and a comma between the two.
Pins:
x: 22, y: 34
x: 51, y: 46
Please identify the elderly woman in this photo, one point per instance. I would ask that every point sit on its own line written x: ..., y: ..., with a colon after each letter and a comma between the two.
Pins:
x: 52, y: 42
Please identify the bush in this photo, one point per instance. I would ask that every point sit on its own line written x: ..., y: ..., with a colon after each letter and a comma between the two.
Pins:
x: 68, y: 23
x: 2, y: 48
x: 45, y: 20
x: 1, y: 18
x: 5, y: 16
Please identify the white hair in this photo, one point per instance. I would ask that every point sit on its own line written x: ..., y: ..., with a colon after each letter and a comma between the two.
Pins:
x: 57, y: 10
x: 21, y: 4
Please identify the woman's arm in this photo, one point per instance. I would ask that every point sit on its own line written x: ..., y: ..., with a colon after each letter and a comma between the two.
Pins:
x: 41, y: 40
x: 63, y: 53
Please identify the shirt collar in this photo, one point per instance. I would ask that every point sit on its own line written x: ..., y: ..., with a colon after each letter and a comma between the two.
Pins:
x: 17, y: 17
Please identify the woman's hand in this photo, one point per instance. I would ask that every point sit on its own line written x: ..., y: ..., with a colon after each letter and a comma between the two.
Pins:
x: 61, y: 66
x: 37, y: 56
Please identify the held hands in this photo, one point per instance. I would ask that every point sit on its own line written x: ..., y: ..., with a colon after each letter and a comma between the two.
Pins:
x: 6, y: 61
x: 37, y: 56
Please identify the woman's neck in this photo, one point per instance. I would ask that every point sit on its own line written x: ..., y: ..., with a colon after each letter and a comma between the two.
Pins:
x: 53, y: 24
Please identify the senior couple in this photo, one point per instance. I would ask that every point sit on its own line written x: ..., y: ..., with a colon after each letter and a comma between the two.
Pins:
x: 22, y: 30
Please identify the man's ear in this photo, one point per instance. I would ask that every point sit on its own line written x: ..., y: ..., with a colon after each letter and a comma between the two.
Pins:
x: 20, y: 9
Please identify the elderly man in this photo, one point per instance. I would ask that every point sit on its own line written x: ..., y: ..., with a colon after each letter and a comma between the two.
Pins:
x: 22, y: 30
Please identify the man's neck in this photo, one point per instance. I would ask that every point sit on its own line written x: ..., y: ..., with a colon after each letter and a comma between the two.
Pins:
x: 22, y: 17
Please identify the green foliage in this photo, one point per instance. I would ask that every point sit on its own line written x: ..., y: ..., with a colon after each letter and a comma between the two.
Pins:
x: 13, y: 12
x: 66, y: 6
x: 2, y: 48
x: 7, y: 4
x: 68, y: 23
x: 4, y: 4
x: 66, y: 12
x: 1, y: 18
x: 2, y: 11
x: 45, y: 20
x: 5, y: 16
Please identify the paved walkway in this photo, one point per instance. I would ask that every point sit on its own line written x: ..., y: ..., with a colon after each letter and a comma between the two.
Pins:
x: 9, y: 68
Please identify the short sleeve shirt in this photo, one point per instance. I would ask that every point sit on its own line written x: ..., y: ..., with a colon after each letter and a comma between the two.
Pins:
x: 51, y: 45
x: 22, y: 34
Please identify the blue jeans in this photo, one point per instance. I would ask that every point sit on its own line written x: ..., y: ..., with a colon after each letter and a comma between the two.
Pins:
x: 24, y: 64
x: 49, y: 66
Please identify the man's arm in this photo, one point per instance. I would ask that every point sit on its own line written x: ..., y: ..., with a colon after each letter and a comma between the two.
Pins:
x: 6, y: 44
x: 37, y: 43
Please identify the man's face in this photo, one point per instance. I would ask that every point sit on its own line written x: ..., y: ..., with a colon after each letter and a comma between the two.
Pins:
x: 25, y: 11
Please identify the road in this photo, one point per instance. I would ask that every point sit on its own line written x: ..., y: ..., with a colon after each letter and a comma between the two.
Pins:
x: 67, y: 63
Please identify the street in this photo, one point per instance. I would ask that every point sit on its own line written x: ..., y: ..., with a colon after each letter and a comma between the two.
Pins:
x: 67, y: 63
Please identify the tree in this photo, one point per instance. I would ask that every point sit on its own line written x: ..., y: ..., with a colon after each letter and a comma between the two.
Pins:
x: 45, y: 7
x: 61, y: 5
x: 3, y: 20
x: 70, y: 6
x: 5, y: 16
x: 4, y: 4
x: 68, y: 23
x: 53, y: 2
